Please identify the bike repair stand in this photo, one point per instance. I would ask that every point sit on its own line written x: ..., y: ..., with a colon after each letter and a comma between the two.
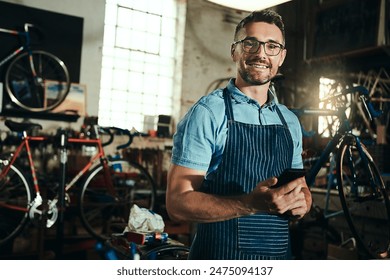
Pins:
x: 61, y: 194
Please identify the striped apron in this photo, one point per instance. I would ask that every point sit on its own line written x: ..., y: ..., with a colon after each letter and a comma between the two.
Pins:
x: 252, y: 154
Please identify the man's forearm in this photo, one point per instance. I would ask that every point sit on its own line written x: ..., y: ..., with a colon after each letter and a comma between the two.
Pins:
x: 199, y: 207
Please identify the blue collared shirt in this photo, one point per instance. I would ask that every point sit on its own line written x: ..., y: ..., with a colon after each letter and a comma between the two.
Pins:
x: 200, y: 137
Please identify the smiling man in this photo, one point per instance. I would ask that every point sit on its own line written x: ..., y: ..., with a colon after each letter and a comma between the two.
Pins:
x: 229, y: 148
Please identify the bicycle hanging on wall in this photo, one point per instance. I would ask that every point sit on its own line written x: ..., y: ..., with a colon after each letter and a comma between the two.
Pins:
x: 35, y: 80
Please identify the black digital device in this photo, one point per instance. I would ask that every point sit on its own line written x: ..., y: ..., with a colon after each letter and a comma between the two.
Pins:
x: 289, y: 175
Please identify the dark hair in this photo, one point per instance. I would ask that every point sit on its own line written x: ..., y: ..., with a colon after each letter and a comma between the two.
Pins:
x: 268, y: 16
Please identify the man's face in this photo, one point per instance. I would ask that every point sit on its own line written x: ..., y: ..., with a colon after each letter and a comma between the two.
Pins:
x: 258, y: 68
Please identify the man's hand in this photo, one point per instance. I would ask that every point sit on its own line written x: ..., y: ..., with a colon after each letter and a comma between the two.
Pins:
x: 287, y: 199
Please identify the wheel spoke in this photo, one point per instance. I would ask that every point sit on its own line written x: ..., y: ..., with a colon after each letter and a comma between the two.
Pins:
x: 364, y: 200
x: 15, y: 197
x: 103, y: 214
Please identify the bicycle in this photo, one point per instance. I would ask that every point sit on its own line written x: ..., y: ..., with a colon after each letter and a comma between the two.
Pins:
x: 361, y: 190
x: 35, y: 80
x: 108, y: 189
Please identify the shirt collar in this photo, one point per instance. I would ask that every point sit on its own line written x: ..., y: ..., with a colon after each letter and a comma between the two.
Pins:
x: 240, y: 97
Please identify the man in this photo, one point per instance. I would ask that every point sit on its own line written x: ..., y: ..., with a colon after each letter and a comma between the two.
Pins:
x: 228, y: 149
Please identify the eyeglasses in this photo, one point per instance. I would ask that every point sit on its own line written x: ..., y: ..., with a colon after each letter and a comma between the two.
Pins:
x: 252, y: 46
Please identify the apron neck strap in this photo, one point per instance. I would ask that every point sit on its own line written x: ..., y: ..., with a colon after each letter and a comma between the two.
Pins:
x: 228, y: 104
x: 229, y: 108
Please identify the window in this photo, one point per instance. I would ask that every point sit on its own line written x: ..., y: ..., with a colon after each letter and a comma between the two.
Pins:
x: 139, y: 59
x: 325, y: 123
x: 329, y: 88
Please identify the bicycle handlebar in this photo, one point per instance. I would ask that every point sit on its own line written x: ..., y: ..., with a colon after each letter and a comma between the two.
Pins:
x: 107, y: 131
x: 363, y: 96
x: 117, y: 131
x: 30, y: 30
x: 129, y: 137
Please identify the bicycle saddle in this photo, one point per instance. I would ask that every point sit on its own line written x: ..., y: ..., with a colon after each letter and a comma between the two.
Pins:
x: 20, y: 127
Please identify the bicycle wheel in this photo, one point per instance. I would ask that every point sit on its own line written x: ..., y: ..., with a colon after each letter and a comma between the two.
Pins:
x: 15, y: 198
x: 103, y: 213
x: 364, y: 198
x: 167, y: 252
x: 40, y: 91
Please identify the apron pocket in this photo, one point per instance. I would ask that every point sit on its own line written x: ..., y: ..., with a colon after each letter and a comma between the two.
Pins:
x: 263, y: 234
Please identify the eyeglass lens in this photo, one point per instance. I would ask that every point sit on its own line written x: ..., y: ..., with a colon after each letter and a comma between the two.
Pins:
x: 252, y: 46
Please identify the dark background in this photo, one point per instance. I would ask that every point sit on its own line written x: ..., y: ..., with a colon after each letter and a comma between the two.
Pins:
x: 347, y: 26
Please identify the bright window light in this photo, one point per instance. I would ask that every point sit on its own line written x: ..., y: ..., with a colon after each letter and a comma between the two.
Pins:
x: 327, y: 125
x: 138, y: 63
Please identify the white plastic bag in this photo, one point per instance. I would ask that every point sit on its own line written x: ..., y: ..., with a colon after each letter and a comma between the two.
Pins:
x: 144, y: 220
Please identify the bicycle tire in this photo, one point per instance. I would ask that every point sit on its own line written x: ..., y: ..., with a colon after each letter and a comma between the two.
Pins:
x: 100, y: 212
x: 29, y: 92
x: 15, y: 198
x: 364, y: 199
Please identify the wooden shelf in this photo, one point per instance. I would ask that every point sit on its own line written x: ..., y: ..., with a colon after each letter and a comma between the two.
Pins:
x: 366, y: 52
x: 360, y: 60
x: 39, y: 115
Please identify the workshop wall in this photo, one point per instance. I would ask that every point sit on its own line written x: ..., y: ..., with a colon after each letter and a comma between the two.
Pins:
x: 208, y: 34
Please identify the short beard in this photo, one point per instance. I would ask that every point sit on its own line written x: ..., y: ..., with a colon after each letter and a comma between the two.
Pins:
x: 244, y: 75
